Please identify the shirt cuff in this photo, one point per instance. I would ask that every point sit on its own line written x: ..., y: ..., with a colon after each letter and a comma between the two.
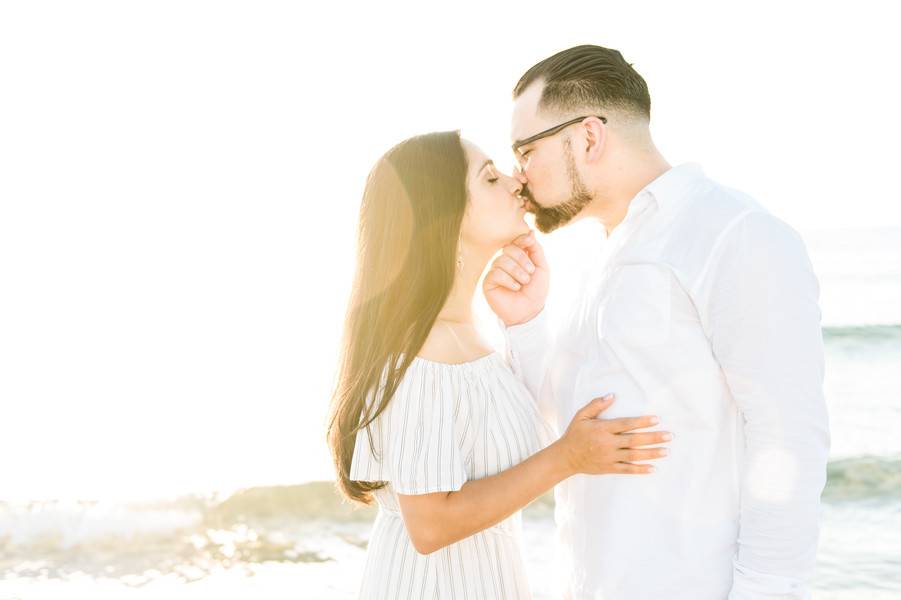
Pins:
x: 535, y: 324
x: 752, y: 585
x: 523, y: 337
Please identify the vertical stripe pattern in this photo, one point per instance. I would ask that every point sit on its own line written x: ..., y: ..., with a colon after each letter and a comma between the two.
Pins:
x: 447, y: 424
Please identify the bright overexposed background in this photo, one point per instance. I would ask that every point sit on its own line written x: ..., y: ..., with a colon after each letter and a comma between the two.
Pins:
x: 179, y: 184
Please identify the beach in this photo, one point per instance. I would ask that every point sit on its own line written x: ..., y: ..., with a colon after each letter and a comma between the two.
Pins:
x: 301, y: 541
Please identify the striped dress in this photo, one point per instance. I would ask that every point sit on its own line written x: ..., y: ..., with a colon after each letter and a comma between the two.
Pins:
x: 445, y: 425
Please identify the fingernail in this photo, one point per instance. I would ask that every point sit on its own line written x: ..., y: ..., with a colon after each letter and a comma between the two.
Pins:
x: 517, y: 286
x: 664, y: 452
x: 609, y: 396
x: 655, y: 420
x: 667, y: 437
x: 530, y: 267
x: 651, y: 469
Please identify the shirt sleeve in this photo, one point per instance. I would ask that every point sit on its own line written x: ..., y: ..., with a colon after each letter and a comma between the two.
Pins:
x: 763, y: 319
x: 416, y: 442
x: 528, y: 349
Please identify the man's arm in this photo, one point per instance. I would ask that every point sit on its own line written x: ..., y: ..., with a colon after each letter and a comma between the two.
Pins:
x: 528, y: 347
x: 516, y: 287
x: 764, y: 324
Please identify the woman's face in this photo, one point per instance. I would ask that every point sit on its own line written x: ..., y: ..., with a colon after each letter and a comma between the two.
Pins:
x: 495, y: 211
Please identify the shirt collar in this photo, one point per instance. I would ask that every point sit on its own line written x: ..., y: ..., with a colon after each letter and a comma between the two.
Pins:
x: 665, y: 193
x: 670, y: 188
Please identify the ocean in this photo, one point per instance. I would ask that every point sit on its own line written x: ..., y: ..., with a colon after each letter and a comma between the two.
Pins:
x: 300, y: 541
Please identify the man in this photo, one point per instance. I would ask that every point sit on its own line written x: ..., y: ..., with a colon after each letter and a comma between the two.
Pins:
x: 702, y: 309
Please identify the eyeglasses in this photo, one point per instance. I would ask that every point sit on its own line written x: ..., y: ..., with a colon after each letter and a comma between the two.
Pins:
x: 549, y: 132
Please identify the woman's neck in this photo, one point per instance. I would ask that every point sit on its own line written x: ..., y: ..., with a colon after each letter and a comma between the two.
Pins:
x: 458, y: 306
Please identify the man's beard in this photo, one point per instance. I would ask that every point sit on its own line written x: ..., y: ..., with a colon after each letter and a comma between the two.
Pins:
x: 547, y: 219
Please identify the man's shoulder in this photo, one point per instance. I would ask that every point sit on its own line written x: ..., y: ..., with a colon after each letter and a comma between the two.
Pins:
x: 715, y: 206
x: 714, y: 218
x: 724, y: 212
x: 715, y: 212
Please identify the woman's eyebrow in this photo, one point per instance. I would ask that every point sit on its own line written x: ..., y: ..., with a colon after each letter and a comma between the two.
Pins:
x: 485, y: 164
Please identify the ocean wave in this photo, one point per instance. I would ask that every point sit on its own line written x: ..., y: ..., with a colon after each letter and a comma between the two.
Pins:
x: 862, y: 333
x: 189, y: 537
x: 192, y: 536
x: 863, y: 477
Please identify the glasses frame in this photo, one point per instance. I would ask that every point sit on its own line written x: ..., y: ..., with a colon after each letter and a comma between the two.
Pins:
x: 551, y: 131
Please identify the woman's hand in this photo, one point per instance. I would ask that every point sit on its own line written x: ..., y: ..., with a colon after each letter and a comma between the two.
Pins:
x: 516, y: 285
x: 595, y: 446
x: 590, y: 445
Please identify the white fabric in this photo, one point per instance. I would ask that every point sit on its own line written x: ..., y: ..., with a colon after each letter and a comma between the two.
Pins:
x: 447, y: 424
x: 702, y: 309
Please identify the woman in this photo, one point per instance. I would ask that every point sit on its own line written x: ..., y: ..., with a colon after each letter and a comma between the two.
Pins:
x: 426, y: 419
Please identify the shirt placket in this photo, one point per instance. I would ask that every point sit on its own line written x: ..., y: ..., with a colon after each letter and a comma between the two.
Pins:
x: 617, y: 240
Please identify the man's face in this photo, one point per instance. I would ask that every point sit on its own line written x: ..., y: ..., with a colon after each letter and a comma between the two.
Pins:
x: 556, y: 193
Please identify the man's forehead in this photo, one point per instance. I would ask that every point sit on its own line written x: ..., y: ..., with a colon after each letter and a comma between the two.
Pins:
x: 525, y: 112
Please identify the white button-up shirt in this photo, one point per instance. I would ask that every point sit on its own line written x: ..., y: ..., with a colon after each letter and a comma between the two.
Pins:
x: 702, y: 310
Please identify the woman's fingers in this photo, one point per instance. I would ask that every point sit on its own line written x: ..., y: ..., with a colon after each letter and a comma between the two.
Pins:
x: 530, y: 244
x: 499, y: 278
x: 636, y: 454
x: 632, y: 440
x: 594, y: 408
x: 630, y: 469
x: 629, y: 423
x: 519, y: 255
x: 513, y: 268
x: 525, y: 239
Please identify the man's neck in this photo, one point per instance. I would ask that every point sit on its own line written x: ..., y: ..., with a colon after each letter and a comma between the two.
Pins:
x: 613, y: 198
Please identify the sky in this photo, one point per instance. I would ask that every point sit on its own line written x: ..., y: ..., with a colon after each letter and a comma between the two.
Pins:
x: 179, y: 184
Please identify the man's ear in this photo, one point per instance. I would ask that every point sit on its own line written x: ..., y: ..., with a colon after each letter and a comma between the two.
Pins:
x: 595, y: 138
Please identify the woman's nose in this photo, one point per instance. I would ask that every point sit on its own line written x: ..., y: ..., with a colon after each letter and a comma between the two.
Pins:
x: 515, y: 186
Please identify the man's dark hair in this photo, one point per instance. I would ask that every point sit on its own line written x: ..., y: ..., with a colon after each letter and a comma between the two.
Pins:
x: 588, y: 77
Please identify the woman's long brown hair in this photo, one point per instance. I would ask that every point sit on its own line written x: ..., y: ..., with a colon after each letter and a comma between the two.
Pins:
x: 410, y: 218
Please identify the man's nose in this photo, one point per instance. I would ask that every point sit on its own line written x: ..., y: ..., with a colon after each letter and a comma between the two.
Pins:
x: 520, y: 175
